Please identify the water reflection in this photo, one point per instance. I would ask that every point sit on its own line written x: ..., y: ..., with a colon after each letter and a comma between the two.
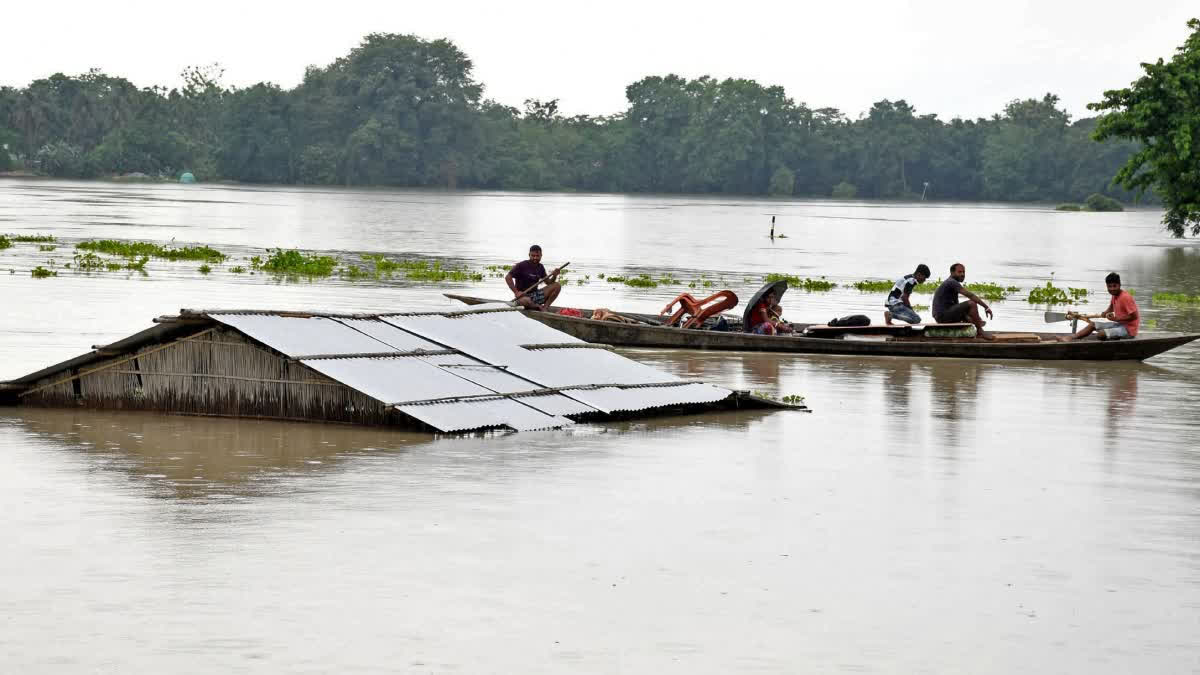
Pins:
x: 191, y: 457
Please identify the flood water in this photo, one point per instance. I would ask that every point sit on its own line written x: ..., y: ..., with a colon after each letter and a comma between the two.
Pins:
x: 928, y: 515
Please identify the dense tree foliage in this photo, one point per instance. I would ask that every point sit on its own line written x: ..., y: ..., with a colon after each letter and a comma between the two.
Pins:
x: 1162, y: 110
x: 402, y: 111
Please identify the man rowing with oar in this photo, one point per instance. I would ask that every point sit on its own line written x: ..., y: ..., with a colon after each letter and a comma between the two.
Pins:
x: 1122, y: 315
x: 524, y: 277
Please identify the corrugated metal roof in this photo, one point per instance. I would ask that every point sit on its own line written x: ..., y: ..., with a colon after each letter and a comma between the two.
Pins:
x: 508, y: 370
x: 613, y: 399
x: 395, y: 380
x: 389, y: 334
x: 471, y: 415
x: 296, y: 336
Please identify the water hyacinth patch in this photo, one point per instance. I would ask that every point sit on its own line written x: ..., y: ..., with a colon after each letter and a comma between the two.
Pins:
x: 811, y: 285
x: 295, y: 264
x: 5, y: 242
x: 137, y: 249
x: 1053, y: 295
x: 1175, y: 299
x: 34, y: 238
x: 872, y: 286
x: 40, y: 272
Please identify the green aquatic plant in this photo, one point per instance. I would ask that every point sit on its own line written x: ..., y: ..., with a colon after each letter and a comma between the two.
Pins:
x: 40, y: 272
x: 293, y: 263
x: 1175, y: 299
x: 204, y: 269
x: 89, y: 262
x: 1068, y: 207
x: 34, y: 238
x: 991, y: 291
x: 668, y: 279
x: 811, y: 285
x: 1053, y: 295
x: 5, y: 242
x: 138, y: 265
x: 46, y: 248
x: 237, y: 269
x: 793, y: 399
x: 641, y: 281
x: 136, y: 249
x: 872, y: 286
x: 113, y: 266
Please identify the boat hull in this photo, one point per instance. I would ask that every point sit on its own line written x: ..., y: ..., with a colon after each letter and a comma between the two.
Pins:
x: 644, y: 335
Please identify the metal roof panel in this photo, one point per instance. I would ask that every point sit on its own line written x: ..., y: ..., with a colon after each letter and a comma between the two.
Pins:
x: 297, y: 336
x: 390, y: 335
x: 469, y: 415
x: 395, y: 380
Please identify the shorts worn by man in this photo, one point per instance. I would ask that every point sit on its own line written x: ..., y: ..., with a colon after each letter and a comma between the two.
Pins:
x: 1122, y: 314
x: 947, y: 308
x: 898, y: 304
x: 524, y: 277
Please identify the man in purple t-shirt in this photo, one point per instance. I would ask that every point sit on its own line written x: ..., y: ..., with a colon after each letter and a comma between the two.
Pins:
x: 528, y: 273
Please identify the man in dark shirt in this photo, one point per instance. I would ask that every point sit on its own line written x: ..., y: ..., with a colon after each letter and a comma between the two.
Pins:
x: 528, y: 273
x: 947, y: 308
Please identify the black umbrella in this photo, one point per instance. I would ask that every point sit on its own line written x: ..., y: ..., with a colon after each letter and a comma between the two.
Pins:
x: 780, y: 287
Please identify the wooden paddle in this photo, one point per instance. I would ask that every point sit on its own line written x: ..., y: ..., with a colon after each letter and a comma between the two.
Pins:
x: 1055, y: 317
x: 514, y: 303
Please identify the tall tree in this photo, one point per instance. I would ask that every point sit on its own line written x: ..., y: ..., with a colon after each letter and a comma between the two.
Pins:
x: 1162, y: 110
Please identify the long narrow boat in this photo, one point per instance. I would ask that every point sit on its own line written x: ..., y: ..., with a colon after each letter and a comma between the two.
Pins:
x: 901, y: 340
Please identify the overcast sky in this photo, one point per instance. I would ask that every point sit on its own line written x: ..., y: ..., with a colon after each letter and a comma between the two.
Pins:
x: 954, y: 58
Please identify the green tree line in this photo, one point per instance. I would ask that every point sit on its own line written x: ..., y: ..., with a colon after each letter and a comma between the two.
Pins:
x: 399, y: 110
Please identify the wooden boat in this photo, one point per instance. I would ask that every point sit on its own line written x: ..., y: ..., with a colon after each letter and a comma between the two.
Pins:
x: 901, y: 340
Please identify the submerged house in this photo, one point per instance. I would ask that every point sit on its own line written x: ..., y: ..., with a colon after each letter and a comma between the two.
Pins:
x: 482, y: 368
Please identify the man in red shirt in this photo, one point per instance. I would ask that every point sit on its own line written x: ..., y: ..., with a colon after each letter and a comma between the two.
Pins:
x: 1122, y: 315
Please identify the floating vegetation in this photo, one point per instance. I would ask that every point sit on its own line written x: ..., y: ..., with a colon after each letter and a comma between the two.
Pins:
x: 204, y: 269
x: 640, y: 281
x: 46, y: 248
x: 138, y: 265
x: 811, y: 285
x: 89, y: 262
x: 136, y: 249
x: 872, y: 286
x: 293, y: 263
x: 34, y: 238
x: 422, y: 270
x: 793, y: 399
x: 990, y: 291
x: 921, y: 308
x: 1068, y: 207
x: 113, y: 266
x: 237, y: 269
x: 790, y: 399
x: 668, y: 280
x: 1175, y: 299
x: 1053, y: 295
x: 5, y: 242
x: 927, y: 286
x: 40, y: 272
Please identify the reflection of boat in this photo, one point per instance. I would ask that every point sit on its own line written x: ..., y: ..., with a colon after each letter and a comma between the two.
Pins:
x: 901, y: 340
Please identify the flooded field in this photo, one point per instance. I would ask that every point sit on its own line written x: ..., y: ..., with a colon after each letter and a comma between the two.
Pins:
x: 928, y: 516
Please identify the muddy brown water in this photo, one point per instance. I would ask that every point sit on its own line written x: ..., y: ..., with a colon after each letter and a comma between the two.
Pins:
x: 928, y: 516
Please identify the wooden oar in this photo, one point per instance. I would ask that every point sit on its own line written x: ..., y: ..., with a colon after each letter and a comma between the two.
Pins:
x: 514, y: 303
x: 1055, y: 317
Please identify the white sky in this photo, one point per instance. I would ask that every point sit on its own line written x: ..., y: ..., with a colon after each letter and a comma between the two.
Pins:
x: 954, y: 58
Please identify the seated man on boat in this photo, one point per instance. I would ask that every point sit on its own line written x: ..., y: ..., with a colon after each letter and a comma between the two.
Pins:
x: 1122, y: 314
x: 947, y: 308
x: 897, y: 303
x: 523, y: 280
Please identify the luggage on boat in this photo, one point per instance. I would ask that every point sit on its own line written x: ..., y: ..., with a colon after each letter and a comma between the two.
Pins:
x: 851, y: 320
